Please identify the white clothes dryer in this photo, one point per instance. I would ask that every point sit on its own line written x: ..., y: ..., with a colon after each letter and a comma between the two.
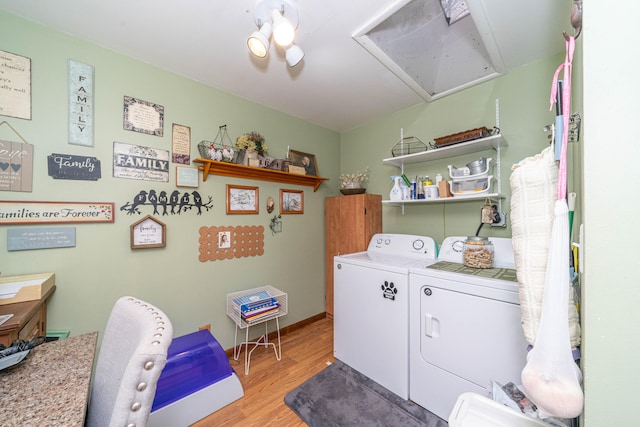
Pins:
x: 371, y: 307
x: 465, y: 327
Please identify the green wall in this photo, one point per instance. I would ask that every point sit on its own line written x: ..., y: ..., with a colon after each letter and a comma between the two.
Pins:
x: 523, y: 96
x: 102, y: 267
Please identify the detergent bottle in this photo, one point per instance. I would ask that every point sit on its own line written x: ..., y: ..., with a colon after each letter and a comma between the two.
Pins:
x: 396, y: 192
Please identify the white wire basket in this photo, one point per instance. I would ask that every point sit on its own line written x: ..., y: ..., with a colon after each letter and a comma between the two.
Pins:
x: 256, y: 297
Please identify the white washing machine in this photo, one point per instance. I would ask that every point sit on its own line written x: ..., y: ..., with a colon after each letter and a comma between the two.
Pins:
x: 465, y: 327
x: 371, y: 307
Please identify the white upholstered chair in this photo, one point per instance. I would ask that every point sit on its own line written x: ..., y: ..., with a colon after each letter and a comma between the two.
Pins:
x: 132, y: 355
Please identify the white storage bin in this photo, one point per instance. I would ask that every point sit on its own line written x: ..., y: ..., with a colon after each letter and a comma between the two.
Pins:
x: 474, y: 410
x: 463, y: 173
x: 470, y: 187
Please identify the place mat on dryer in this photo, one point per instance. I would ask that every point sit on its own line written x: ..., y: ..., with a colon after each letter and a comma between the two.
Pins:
x: 341, y: 396
x: 507, y: 274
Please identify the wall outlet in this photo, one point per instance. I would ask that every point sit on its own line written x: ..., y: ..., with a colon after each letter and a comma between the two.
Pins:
x: 502, y: 221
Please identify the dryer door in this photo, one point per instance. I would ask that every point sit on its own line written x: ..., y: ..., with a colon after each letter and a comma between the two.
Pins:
x: 473, y: 337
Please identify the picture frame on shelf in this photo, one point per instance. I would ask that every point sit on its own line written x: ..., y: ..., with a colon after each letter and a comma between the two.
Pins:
x: 242, y: 199
x: 291, y: 201
x: 304, y: 160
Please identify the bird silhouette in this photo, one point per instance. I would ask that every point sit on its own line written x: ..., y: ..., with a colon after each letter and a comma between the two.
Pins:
x: 163, y: 199
x: 173, y: 200
x: 140, y: 199
x: 153, y: 199
x: 184, y: 202
x: 197, y: 201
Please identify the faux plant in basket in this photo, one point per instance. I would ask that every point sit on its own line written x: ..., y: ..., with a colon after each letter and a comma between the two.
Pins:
x: 354, y: 183
x: 251, y: 144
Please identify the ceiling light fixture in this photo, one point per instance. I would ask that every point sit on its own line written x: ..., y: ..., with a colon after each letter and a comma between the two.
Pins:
x: 280, y: 19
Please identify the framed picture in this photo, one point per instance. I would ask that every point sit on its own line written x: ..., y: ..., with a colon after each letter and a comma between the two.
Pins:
x: 186, y: 177
x: 291, y: 201
x: 224, y: 239
x: 148, y: 233
x: 242, y: 199
x: 304, y: 160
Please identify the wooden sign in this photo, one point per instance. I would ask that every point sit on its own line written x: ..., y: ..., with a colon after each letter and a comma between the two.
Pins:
x: 25, y: 212
x: 15, y: 85
x: 21, y: 239
x: 137, y: 162
x: 16, y: 166
x: 68, y: 166
x: 81, y: 101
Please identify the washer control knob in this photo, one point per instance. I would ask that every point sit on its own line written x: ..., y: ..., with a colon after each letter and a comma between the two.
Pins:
x: 387, y: 241
x: 418, y: 244
x: 339, y: 266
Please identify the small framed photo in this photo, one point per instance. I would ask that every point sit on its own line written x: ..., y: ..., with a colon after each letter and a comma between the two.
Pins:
x: 291, y: 201
x: 242, y: 199
x: 224, y: 239
x: 304, y: 160
x: 186, y: 176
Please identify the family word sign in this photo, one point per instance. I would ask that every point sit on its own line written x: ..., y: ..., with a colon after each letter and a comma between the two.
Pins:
x: 81, y: 101
x: 25, y: 212
x: 143, y: 163
x: 67, y: 166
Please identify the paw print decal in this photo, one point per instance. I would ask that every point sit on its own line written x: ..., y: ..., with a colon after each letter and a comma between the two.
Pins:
x: 389, y: 290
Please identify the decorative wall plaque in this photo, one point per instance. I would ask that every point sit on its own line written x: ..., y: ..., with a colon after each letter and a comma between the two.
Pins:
x: 15, y: 85
x: 137, y: 162
x: 81, y: 102
x: 143, y: 116
x: 68, y: 166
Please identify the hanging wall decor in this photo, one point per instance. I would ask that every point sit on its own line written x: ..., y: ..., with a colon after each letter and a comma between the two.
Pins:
x: 163, y: 203
x: 148, y: 233
x: 186, y: 177
x: 28, y: 212
x: 81, y: 102
x: 181, y: 144
x: 24, y: 239
x: 16, y: 164
x: 15, y: 85
x: 143, y: 116
x: 68, y: 166
x: 142, y: 163
x: 291, y: 201
x: 219, y: 243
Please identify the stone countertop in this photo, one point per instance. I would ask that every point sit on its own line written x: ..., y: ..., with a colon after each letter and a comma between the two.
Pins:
x: 50, y: 387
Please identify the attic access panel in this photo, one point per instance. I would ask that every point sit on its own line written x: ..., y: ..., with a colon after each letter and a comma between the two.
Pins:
x: 414, y: 40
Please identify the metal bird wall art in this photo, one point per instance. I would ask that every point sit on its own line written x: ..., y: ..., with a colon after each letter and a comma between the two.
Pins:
x: 165, y: 203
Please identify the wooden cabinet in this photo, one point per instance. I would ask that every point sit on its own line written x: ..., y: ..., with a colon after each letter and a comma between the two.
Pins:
x: 350, y: 222
x: 29, y: 319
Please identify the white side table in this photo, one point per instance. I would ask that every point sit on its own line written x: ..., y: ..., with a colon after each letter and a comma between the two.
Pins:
x: 274, y: 303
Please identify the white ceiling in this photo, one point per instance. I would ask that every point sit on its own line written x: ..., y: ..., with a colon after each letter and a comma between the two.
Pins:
x: 338, y: 85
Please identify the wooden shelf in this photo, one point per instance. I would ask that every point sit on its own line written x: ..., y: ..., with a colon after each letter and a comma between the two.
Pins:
x: 214, y: 167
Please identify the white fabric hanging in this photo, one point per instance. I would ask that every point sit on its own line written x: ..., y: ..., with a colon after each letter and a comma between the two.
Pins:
x: 551, y: 378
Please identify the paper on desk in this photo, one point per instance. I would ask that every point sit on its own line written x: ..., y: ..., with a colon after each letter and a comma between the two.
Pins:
x: 5, y: 317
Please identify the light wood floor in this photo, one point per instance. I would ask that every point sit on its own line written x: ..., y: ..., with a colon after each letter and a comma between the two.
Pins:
x: 305, y: 352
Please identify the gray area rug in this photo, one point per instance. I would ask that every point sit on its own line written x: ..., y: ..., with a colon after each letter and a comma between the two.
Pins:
x: 341, y: 396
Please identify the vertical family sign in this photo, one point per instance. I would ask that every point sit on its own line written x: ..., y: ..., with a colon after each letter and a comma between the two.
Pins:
x: 81, y: 101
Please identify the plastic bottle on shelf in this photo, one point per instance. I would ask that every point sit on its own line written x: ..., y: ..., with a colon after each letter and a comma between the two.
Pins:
x: 413, y: 190
x: 396, y: 192
x: 419, y: 188
x: 438, y: 178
